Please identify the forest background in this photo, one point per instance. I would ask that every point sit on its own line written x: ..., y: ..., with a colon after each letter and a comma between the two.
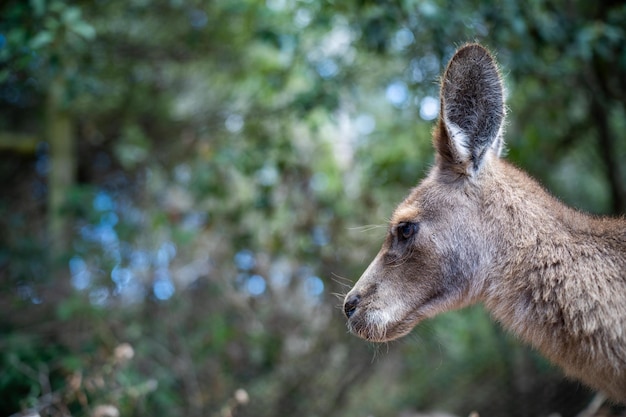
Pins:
x: 189, y: 186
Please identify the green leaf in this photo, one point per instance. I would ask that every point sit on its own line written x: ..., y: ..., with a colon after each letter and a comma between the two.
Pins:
x: 65, y: 310
x: 40, y: 40
x: 71, y: 15
x: 72, y: 363
x: 133, y: 148
x: 84, y: 30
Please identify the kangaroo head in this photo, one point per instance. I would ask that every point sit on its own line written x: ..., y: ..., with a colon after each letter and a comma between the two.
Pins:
x: 437, y: 250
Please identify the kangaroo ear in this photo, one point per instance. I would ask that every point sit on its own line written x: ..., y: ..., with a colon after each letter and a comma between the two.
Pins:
x: 472, y: 111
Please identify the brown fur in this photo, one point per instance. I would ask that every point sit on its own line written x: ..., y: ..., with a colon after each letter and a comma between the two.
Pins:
x: 477, y: 229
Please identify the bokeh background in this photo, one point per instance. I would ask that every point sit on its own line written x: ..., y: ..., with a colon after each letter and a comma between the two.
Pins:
x: 188, y: 188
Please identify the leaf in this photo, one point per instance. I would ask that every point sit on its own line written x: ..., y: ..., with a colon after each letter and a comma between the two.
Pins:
x: 41, y: 39
x: 133, y: 148
x: 84, y: 30
x: 65, y: 310
x: 71, y: 14
x: 72, y: 363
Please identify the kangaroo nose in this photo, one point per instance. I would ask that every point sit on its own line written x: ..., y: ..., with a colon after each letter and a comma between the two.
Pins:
x: 349, y: 306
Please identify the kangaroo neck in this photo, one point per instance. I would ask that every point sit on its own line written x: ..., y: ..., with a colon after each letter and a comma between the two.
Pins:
x: 556, y: 280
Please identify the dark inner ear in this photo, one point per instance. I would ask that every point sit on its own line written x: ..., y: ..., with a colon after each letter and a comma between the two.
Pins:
x: 472, y: 105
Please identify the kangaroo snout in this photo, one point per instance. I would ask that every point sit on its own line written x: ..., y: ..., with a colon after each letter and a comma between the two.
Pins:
x: 350, y: 304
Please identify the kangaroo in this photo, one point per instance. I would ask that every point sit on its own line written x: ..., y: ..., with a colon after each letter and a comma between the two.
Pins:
x: 479, y: 230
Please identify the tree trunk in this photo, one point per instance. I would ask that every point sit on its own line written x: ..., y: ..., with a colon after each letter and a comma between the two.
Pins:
x: 62, y: 163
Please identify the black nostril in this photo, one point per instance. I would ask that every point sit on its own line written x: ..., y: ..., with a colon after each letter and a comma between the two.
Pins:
x: 349, y: 307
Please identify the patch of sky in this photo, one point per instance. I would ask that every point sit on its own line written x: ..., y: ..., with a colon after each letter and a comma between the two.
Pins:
x: 109, y: 219
x: 105, y: 235
x: 244, y: 259
x: 276, y: 5
x: 302, y: 18
x: 103, y: 201
x: 139, y: 259
x: 163, y: 289
x: 427, y: 9
x: 320, y: 237
x: 234, y: 123
x: 365, y: 124
x: 121, y: 277
x: 267, y: 176
x: 338, y: 41
x: 327, y: 68
x: 288, y: 45
x: 80, y: 275
x: 165, y: 253
x: 397, y: 94
x: 313, y: 286
x: 402, y: 39
x: 429, y: 108
x: 162, y: 286
x: 429, y: 63
x: 415, y: 73
x: 256, y: 285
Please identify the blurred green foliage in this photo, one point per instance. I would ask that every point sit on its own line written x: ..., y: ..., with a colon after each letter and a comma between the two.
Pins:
x: 236, y: 164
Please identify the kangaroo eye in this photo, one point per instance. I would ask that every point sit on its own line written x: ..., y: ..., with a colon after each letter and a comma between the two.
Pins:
x: 406, y: 230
